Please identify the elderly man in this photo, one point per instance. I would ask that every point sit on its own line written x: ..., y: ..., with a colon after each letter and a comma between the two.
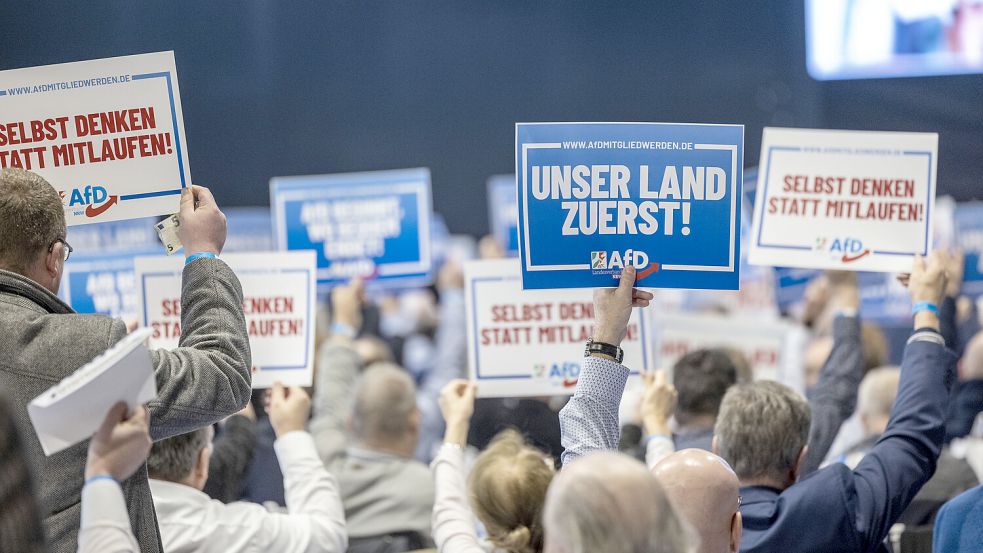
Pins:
x: 366, y: 425
x: 192, y: 522
x: 763, y: 429
x: 42, y: 341
x: 705, y: 491
x: 587, y: 503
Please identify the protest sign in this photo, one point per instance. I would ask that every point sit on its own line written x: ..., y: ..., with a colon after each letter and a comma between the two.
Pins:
x: 279, y: 300
x: 594, y: 197
x: 852, y: 200
x: 107, y: 134
x: 969, y: 238
x: 531, y: 342
x: 762, y: 343
x: 374, y: 225
x: 503, y: 212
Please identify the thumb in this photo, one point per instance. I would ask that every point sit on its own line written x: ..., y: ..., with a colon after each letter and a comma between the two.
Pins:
x: 187, y: 201
x: 116, y: 414
x: 627, y: 281
x: 471, y: 391
x: 277, y: 393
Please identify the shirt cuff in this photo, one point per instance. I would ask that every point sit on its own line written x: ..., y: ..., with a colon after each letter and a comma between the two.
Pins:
x: 294, y: 446
x: 102, y: 500
x: 603, y: 379
x: 927, y: 335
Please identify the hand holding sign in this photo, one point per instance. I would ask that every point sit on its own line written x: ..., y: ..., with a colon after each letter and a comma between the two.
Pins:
x: 289, y: 409
x: 457, y: 406
x: 203, y: 227
x: 121, y: 444
x: 612, y: 308
x: 346, y: 306
x: 658, y: 403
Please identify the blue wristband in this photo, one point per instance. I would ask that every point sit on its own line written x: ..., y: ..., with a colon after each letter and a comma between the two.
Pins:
x: 199, y: 255
x: 92, y: 479
x: 924, y: 306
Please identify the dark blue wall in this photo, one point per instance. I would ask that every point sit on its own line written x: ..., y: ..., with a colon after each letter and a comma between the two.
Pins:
x: 279, y: 88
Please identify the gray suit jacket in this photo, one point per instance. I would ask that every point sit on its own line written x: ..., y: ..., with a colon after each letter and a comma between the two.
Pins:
x: 202, y: 381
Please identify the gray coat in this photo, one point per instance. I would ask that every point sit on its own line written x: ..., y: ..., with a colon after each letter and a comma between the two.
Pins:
x: 201, y: 382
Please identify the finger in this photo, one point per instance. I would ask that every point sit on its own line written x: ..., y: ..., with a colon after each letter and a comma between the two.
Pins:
x: 640, y: 303
x: 627, y: 281
x: 641, y: 294
x: 139, y: 415
x: 187, y: 201
x: 116, y: 414
x: 660, y: 378
x: 646, y: 378
x: 470, y: 390
x: 918, y: 264
x: 203, y: 196
x: 278, y: 392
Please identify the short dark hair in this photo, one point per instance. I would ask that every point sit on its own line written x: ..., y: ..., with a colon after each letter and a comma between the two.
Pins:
x: 32, y: 217
x: 174, y: 458
x: 702, y: 377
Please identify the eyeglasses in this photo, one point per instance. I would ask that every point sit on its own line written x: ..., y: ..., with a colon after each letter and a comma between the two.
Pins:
x: 68, y: 248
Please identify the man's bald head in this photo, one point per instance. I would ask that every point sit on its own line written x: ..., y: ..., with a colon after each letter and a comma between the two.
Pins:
x: 384, y: 405
x: 706, y: 493
x: 610, y: 502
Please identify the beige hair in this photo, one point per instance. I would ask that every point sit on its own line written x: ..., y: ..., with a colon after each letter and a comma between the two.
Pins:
x: 384, y: 399
x: 762, y: 428
x: 32, y: 217
x: 878, y: 391
x: 508, y: 488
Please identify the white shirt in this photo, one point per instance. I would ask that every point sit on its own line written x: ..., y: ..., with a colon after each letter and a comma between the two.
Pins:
x: 453, y: 522
x: 105, y: 526
x: 190, y: 521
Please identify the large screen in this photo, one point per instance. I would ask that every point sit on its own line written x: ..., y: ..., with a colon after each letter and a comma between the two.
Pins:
x: 857, y: 39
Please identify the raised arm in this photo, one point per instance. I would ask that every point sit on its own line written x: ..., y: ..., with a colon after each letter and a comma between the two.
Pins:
x: 658, y: 405
x: 338, y: 367
x: 834, y: 397
x: 316, y: 519
x: 452, y: 520
x: 905, y: 456
x: 207, y: 377
x: 589, y: 421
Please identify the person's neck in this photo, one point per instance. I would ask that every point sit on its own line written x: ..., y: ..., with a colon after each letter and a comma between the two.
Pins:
x: 405, y: 447
x: 695, y: 423
x: 765, y: 482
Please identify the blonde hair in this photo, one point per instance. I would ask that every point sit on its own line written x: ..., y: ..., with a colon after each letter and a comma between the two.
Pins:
x: 508, y: 488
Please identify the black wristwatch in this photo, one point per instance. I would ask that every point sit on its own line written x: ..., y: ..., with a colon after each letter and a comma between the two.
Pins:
x: 607, y: 349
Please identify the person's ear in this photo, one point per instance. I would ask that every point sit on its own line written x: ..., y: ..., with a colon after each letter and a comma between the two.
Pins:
x: 201, y: 467
x: 54, y: 262
x: 415, y: 417
x: 715, y: 446
x: 797, y: 469
x: 736, y: 528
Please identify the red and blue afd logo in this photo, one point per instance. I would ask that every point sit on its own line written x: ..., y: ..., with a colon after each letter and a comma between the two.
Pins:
x: 566, y: 374
x: 844, y: 249
x: 95, y: 199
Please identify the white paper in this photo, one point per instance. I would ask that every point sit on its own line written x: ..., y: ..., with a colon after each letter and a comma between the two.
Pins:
x: 73, y: 409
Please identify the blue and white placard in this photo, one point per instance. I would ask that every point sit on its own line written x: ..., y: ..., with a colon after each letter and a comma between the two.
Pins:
x: 663, y: 197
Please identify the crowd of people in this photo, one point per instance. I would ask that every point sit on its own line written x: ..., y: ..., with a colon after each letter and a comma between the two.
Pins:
x: 390, y: 450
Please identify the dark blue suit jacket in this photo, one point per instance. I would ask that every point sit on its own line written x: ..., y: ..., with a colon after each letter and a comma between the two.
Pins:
x: 836, y: 509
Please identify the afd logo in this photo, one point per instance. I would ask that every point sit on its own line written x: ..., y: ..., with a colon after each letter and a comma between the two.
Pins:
x: 600, y: 261
x: 845, y: 249
x: 95, y: 199
x: 566, y: 374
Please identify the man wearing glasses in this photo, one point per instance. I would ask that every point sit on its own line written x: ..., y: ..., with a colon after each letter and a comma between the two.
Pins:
x: 42, y: 340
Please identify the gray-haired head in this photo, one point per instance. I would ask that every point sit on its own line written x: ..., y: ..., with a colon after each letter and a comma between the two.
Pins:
x: 610, y: 502
x: 173, y: 459
x: 32, y: 218
x: 876, y: 396
x: 384, y: 405
x: 761, y: 431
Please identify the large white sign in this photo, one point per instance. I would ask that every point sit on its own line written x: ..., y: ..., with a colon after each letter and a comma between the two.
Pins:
x: 279, y: 300
x: 531, y: 343
x: 852, y: 200
x: 107, y: 134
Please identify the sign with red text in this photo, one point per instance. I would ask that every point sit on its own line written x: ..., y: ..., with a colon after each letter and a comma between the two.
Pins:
x: 761, y: 342
x: 107, y: 134
x: 531, y: 342
x: 851, y: 200
x: 279, y: 301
